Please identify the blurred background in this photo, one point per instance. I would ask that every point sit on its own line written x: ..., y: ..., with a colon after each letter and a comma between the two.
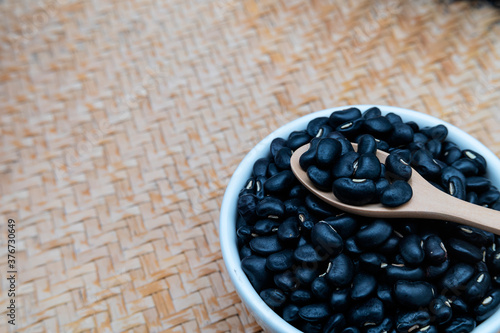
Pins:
x: 122, y: 121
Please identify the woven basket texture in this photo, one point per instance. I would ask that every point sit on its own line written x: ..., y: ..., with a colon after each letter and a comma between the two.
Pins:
x: 122, y: 121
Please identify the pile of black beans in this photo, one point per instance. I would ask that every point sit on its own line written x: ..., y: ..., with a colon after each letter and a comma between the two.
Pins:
x: 358, y: 177
x: 323, y: 270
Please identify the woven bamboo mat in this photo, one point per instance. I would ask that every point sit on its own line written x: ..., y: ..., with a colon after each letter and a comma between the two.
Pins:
x: 122, y: 121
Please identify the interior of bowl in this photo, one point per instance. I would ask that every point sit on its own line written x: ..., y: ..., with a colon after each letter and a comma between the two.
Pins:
x: 265, y: 316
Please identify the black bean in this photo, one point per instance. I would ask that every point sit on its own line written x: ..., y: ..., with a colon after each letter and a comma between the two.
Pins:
x: 434, y: 147
x: 369, y: 312
x: 397, y: 272
x: 464, y: 251
x: 396, y: 194
x: 477, y: 287
x: 368, y: 167
x: 410, y: 321
x: 280, y: 183
x: 282, y: 158
x: 324, y: 131
x: 472, y: 198
x: 378, y: 127
x: 314, y: 312
x: 244, y: 233
x: 363, y: 286
x: 298, y: 191
x: 413, y: 294
x: 291, y: 313
x: 270, y: 207
x: 373, y: 112
x: 435, y: 271
x: 489, y: 197
x: 382, y: 145
x: 249, y: 187
x: 255, y: 269
x: 385, y: 294
x: 449, y: 172
x: 341, y: 271
x: 493, y: 261
x: 309, y: 157
x: 383, y: 327
x: 351, y: 129
x: 260, y: 167
x: 411, y: 249
x: 259, y: 187
x: 340, y: 117
x: 265, y: 226
x: 373, y: 234
x: 288, y: 231
x: 434, y: 249
x: 272, y: 170
x: 352, y: 247
x: 380, y: 186
x: 325, y: 237
x: 440, y: 310
x: 456, y: 278
x: 461, y: 324
x: 318, y: 207
x: 477, y: 184
x: 346, y: 146
x: 314, y: 125
x: 438, y: 132
x: 390, y: 246
x: 297, y: 140
x: 335, y: 324
x: 339, y: 299
x: 488, y: 305
x: 366, y: 144
x: 397, y: 167
x: 286, y: 281
x: 322, y: 179
x: 355, y: 192
x: 273, y: 297
x: 420, y: 137
x: 478, y: 159
x: 276, y: 145
x: 311, y: 327
x: 301, y: 296
x: 345, y: 165
x: 307, y: 254
x: 292, y: 206
x: 466, y: 166
x: 245, y: 251
x: 280, y: 261
x: 425, y: 165
x: 394, y: 118
x: 320, y: 288
x: 372, y: 262
x: 265, y: 245
x: 456, y: 188
x: 401, y: 135
x: 246, y: 207
x: 327, y: 152
x: 345, y: 225
x: 452, y: 155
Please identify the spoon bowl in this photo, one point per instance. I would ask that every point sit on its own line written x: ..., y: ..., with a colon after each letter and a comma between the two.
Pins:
x: 427, y: 202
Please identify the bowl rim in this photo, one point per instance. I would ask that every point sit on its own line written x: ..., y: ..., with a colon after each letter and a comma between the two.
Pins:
x: 259, y: 309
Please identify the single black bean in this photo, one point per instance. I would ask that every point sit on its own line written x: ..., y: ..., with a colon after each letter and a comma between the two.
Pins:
x: 273, y: 297
x: 280, y: 261
x: 320, y: 288
x: 385, y: 294
x: 382, y: 145
x: 282, y: 182
x: 473, y: 235
x: 351, y: 129
x: 327, y: 152
x: 265, y: 245
x: 246, y: 207
x: 434, y: 249
x: 435, y: 271
x: 383, y: 327
x: 481, y: 267
x: 458, y: 305
x: 245, y: 251
x: 308, y: 254
x: 271, y: 208
x: 438, y: 132
x: 452, y: 155
x: 314, y: 125
x: 298, y: 191
x: 373, y: 112
x: 379, y: 127
x: 477, y: 287
x: 394, y: 118
x: 244, y: 233
x: 411, y: 248
x: 286, y: 281
x: 324, y: 131
x: 325, y: 237
x: 260, y: 167
x: 380, y: 186
x: 345, y: 225
x: 396, y: 194
x: 363, y: 286
x: 340, y: 117
x: 366, y: 144
x: 466, y: 166
x: 315, y: 312
x: 461, y: 324
x: 456, y: 278
x: 488, y: 305
x: 322, y: 179
x: 434, y: 147
x: 346, y: 146
x: 390, y: 246
x: 456, y: 188
x: 373, y: 234
x: 478, y: 159
x: 259, y: 187
x: 345, y: 165
x: 369, y: 312
x: 309, y: 157
x: 297, y: 140
x: 335, y: 324
x: 272, y: 170
x: 291, y: 313
x: 405, y: 154
x: 249, y: 187
x: 355, y: 192
x: 282, y: 158
x: 464, y: 251
x: 477, y: 184
x: 413, y: 294
x: 424, y: 164
x: 402, y: 134
x: 276, y: 145
x: 440, y: 310
x: 368, y: 167
x: 395, y: 272
x: 472, y: 197
x: 489, y: 197
x: 301, y: 296
x: 341, y: 271
x: 372, y: 262
x: 352, y: 247
x: 288, y: 231
x: 449, y: 172
x: 255, y: 269
x: 318, y: 207
x: 292, y: 206
x: 265, y: 226
x: 397, y: 167
x: 398, y: 260
x: 420, y: 137
x: 410, y: 321
x: 339, y: 299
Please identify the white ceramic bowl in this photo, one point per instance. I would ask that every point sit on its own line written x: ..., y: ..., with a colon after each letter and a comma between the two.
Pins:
x: 264, y: 315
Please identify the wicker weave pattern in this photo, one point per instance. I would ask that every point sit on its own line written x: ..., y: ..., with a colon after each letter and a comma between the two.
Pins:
x: 122, y: 121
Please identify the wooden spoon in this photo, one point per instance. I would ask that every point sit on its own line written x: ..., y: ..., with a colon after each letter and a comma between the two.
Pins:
x: 427, y: 202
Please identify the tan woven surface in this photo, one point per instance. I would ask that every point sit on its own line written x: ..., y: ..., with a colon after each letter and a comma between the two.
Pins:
x: 122, y: 121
